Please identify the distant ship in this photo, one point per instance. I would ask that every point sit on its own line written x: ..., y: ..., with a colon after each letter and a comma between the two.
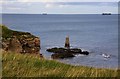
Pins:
x: 106, y: 13
x: 44, y: 14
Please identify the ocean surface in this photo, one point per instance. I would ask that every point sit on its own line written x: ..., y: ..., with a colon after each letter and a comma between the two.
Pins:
x: 95, y: 33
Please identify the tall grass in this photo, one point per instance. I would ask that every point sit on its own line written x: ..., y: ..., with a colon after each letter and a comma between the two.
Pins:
x: 8, y: 33
x: 31, y: 65
x: 0, y: 63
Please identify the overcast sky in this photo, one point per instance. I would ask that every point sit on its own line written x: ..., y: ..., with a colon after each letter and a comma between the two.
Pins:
x: 59, y: 6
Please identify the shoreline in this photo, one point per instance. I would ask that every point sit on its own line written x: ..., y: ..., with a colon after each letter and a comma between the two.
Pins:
x: 71, y: 61
x: 32, y: 64
x: 79, y: 64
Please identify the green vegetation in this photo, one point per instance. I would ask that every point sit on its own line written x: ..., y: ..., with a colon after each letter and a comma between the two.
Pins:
x: 0, y: 64
x: 31, y: 65
x: 8, y: 33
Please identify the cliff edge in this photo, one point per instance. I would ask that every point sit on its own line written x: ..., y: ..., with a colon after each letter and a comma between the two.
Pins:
x: 16, y: 41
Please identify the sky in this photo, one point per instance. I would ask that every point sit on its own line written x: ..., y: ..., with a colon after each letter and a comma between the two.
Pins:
x: 58, y: 6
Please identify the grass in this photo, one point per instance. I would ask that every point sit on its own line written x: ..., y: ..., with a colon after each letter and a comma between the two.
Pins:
x: 0, y: 63
x: 31, y: 65
x: 7, y: 33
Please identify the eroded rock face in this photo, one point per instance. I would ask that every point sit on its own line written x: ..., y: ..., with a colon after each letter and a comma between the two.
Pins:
x: 31, y: 45
x: 25, y: 43
x: 14, y: 45
x: 16, y: 41
x: 22, y: 44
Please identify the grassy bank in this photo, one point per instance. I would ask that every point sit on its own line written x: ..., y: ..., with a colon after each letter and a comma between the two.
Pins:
x: 7, y: 33
x: 31, y: 65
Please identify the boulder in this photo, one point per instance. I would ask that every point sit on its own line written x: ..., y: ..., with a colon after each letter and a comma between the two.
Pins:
x: 56, y: 50
x: 61, y: 55
x: 64, y: 50
x: 65, y: 53
x: 85, y: 52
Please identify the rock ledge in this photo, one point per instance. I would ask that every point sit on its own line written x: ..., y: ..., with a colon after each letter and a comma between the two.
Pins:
x: 65, y: 53
x: 21, y: 42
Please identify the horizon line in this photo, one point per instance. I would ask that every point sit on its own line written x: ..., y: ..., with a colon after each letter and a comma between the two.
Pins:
x: 58, y: 13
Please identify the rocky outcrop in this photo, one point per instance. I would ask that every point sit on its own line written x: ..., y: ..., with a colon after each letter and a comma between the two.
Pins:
x: 62, y: 55
x: 65, y: 53
x: 21, y: 42
x: 14, y: 45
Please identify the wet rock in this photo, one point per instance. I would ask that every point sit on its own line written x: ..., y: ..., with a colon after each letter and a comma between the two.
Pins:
x: 85, y: 52
x: 64, y: 50
x: 61, y: 55
x: 65, y: 53
x: 56, y: 50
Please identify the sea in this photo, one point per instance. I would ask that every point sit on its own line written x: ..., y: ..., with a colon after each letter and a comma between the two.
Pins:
x: 95, y: 33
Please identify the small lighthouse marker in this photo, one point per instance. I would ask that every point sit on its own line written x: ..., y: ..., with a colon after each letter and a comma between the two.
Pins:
x: 67, y: 42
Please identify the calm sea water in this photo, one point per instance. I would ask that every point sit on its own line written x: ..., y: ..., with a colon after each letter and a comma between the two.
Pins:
x: 95, y: 33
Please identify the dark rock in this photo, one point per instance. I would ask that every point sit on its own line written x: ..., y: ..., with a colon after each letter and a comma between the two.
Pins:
x: 56, y: 50
x: 62, y: 55
x: 75, y: 51
x: 65, y: 53
x: 64, y: 50
x: 85, y: 52
x: 41, y: 56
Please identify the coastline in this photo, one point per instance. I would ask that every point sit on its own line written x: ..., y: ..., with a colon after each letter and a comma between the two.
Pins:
x: 17, y: 41
x: 28, y: 63
x: 34, y: 66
